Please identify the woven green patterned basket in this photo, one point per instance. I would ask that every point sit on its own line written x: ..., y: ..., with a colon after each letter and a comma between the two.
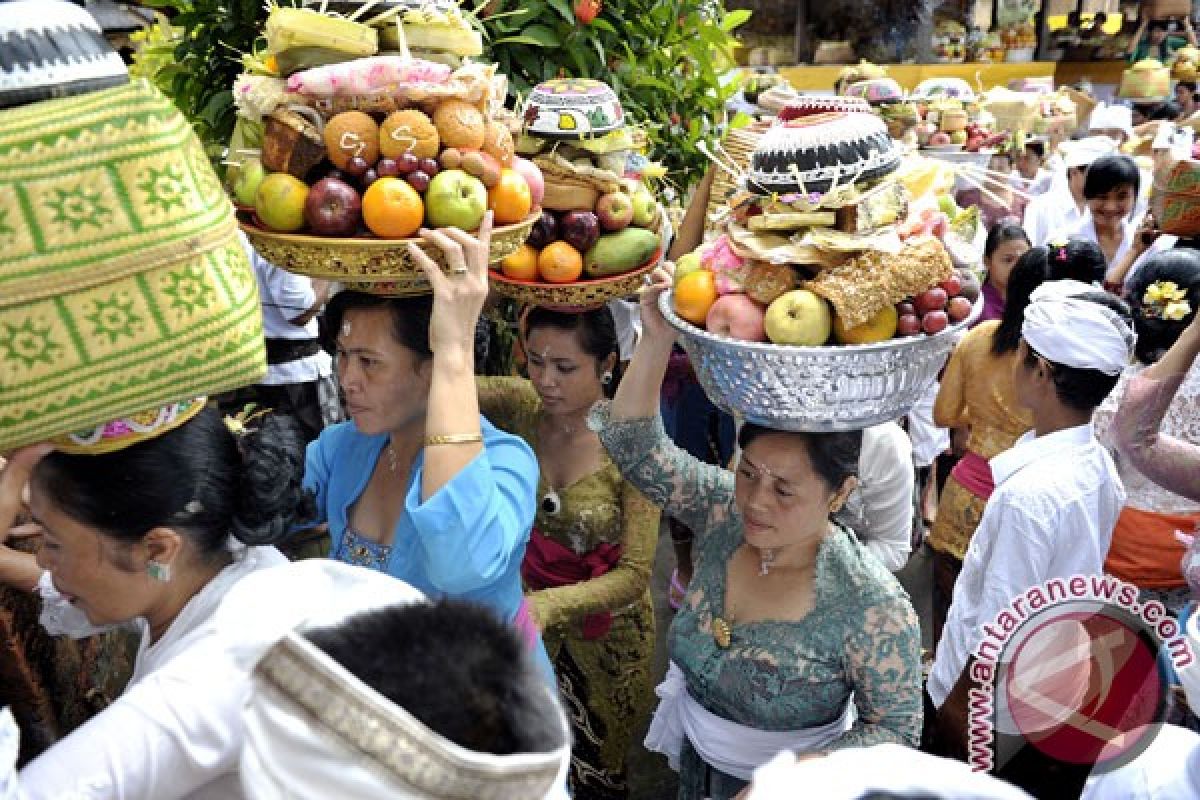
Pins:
x: 123, y: 283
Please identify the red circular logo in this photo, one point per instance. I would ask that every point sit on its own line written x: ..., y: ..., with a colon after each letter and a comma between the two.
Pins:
x: 1081, y: 682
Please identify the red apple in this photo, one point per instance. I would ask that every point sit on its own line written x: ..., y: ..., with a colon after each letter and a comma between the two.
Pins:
x: 738, y: 317
x: 959, y: 309
x: 332, y: 208
x: 544, y: 231
x: 952, y: 285
x: 905, y: 307
x: 615, y: 211
x: 934, y: 322
x: 580, y: 229
x: 533, y: 176
x: 930, y: 300
x: 908, y: 325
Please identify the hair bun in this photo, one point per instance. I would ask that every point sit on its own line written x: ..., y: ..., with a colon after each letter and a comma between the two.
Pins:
x: 271, y: 495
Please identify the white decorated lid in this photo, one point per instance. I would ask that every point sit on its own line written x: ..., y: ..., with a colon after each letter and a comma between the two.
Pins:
x: 53, y: 48
x: 818, y: 152
x: 937, y: 88
x: 573, y: 108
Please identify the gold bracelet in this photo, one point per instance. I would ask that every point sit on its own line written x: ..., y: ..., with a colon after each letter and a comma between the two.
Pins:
x: 452, y: 438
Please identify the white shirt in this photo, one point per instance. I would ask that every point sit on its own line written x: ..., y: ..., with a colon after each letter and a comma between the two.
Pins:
x: 173, y: 733
x: 285, y: 296
x: 1051, y: 214
x: 886, y: 487
x: 1086, y: 229
x: 1052, y: 514
x: 928, y: 440
x: 1168, y: 769
x: 1037, y: 185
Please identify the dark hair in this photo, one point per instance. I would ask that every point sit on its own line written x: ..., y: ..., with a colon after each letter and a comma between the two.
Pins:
x: 834, y: 456
x: 1111, y: 172
x: 1000, y: 233
x: 456, y: 668
x: 198, y: 479
x: 1157, y: 25
x: 1027, y: 274
x: 1169, y: 111
x: 595, y: 329
x: 1077, y: 260
x: 410, y: 318
x: 1189, y: 85
x: 1037, y: 148
x: 1180, y: 266
x: 1146, y: 109
x: 1083, y: 389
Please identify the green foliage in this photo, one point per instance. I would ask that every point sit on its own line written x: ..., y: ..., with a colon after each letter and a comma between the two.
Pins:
x: 197, y: 67
x: 664, y: 58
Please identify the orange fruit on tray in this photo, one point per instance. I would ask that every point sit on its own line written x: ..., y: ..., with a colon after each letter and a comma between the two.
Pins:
x: 521, y: 265
x: 559, y: 263
x: 510, y: 199
x: 392, y: 209
x: 694, y: 295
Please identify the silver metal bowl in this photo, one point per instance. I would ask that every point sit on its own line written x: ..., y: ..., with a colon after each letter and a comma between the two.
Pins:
x: 820, y: 389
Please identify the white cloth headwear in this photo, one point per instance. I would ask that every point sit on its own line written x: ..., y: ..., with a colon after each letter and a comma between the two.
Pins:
x: 1112, y: 117
x: 1189, y: 676
x: 1082, y: 152
x: 850, y: 773
x: 1064, y: 328
x: 314, y: 730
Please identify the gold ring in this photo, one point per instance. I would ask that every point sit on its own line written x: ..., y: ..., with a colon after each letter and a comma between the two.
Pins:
x: 460, y: 270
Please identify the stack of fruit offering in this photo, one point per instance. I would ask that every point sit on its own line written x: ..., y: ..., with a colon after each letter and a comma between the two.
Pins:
x: 828, y: 244
x: 599, y: 220
x: 365, y: 146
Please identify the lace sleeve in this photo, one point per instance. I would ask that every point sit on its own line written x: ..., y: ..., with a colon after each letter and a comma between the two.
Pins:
x: 697, y: 494
x: 621, y: 586
x: 883, y: 662
x: 1172, y: 462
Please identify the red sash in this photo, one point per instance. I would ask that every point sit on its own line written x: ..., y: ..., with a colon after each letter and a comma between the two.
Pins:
x: 549, y: 564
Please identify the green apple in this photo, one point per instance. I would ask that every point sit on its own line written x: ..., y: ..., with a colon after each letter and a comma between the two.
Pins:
x: 279, y: 202
x: 644, y: 208
x: 248, y: 175
x: 800, y: 318
x: 947, y: 206
x: 455, y: 200
x: 686, y: 263
x: 959, y: 137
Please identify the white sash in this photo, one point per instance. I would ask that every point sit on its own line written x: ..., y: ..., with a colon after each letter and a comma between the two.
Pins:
x: 725, y: 745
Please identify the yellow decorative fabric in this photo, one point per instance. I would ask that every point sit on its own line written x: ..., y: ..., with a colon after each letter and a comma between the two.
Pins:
x: 123, y: 284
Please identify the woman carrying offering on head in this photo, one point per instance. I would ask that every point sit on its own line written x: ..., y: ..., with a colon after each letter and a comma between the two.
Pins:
x: 1145, y: 550
x: 153, y: 535
x: 590, y: 555
x: 417, y: 484
x: 787, y: 616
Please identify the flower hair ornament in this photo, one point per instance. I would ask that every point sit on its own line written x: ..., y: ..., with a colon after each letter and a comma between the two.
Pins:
x: 239, y: 423
x: 1165, y: 300
x: 1058, y: 249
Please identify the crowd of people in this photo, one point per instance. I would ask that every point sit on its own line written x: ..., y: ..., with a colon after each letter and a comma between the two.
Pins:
x: 478, y: 620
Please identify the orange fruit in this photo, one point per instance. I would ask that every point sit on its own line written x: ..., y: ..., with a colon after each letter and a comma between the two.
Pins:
x: 694, y: 295
x: 559, y: 263
x: 392, y: 209
x: 510, y: 199
x: 521, y: 265
x: 350, y: 134
x: 460, y: 124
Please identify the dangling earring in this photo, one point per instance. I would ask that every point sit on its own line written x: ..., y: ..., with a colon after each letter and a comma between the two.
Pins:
x: 158, y: 571
x: 606, y: 378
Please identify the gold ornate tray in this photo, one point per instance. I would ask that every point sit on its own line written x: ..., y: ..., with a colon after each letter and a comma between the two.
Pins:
x: 366, y: 263
x: 576, y: 296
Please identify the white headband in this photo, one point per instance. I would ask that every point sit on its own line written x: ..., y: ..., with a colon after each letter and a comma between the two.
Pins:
x: 1069, y: 330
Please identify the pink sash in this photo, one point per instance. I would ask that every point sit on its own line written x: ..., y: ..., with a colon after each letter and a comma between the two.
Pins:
x: 526, y: 627
x: 974, y: 474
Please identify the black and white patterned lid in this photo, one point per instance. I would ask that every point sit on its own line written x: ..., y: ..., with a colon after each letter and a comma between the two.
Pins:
x: 52, y: 48
x: 815, y: 153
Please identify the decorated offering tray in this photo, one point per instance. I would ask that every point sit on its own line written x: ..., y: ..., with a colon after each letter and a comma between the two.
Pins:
x: 576, y: 295
x: 818, y: 389
x: 365, y: 259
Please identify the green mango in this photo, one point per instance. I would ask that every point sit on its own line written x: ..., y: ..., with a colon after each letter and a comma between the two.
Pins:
x: 620, y: 252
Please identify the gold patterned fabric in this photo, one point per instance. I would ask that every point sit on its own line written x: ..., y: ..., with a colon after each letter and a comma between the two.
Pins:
x: 606, y: 683
x: 976, y: 393
x: 123, y: 284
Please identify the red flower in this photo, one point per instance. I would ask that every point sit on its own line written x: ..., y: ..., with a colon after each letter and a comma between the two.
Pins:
x: 587, y: 10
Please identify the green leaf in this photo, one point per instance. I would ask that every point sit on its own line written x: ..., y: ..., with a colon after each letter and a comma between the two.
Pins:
x: 599, y: 23
x: 564, y: 10
x: 541, y: 35
x: 735, y: 19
